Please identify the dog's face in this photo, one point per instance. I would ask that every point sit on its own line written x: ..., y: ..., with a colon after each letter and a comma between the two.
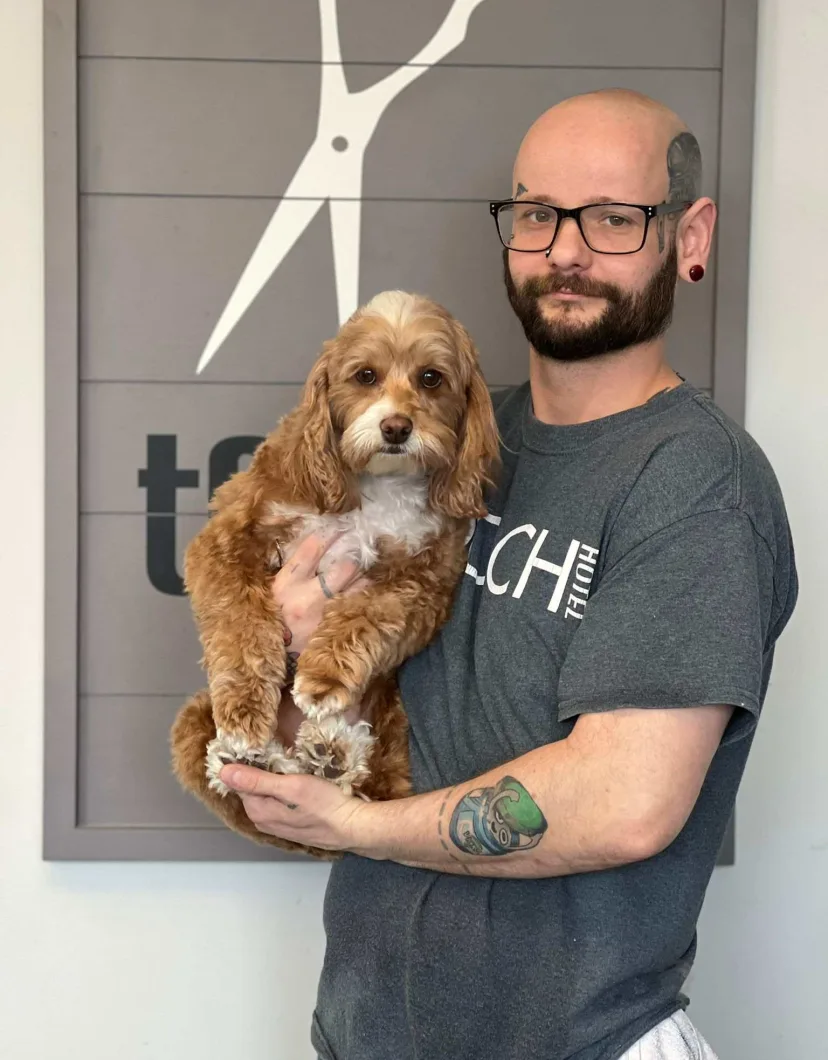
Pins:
x: 398, y: 389
x: 398, y: 380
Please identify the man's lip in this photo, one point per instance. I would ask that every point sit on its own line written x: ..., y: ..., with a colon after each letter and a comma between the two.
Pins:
x: 567, y: 296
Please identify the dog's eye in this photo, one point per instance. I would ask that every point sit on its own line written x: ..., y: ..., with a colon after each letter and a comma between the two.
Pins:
x: 366, y: 376
x: 431, y: 378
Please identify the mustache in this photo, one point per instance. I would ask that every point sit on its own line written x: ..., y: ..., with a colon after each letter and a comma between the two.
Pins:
x: 537, y: 286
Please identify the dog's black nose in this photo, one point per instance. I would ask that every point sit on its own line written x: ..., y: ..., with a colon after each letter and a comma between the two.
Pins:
x: 396, y: 429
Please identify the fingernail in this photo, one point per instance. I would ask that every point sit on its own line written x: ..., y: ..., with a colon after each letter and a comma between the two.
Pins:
x: 230, y: 776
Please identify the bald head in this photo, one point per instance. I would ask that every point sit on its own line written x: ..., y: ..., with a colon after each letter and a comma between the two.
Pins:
x: 613, y: 143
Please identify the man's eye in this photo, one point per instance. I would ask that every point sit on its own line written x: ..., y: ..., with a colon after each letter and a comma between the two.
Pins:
x: 366, y: 376
x: 431, y: 378
x: 539, y: 217
x: 615, y: 220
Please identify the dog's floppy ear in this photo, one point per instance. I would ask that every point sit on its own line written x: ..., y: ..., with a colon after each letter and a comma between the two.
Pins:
x: 313, y: 470
x: 457, y: 490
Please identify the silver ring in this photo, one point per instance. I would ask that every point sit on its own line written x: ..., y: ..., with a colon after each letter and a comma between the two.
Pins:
x: 324, y: 585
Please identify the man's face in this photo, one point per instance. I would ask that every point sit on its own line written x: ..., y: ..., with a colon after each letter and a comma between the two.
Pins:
x: 574, y: 318
x: 576, y: 304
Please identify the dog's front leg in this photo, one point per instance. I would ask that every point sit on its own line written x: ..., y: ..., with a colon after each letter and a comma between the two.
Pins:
x: 360, y: 637
x: 241, y: 632
x: 246, y: 666
x: 357, y: 638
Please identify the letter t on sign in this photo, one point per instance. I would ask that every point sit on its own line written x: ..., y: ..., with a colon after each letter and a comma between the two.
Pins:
x: 162, y: 478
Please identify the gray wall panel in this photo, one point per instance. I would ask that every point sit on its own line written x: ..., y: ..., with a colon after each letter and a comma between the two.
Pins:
x: 194, y: 128
x: 156, y: 273
x: 256, y: 29
x: 133, y: 638
x: 657, y: 33
x: 261, y: 116
x: 125, y: 778
x: 589, y: 33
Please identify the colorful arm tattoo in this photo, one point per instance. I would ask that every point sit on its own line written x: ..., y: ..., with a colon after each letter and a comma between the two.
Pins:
x: 494, y: 821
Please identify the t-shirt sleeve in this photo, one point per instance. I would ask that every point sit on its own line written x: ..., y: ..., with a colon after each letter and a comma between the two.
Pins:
x: 679, y: 621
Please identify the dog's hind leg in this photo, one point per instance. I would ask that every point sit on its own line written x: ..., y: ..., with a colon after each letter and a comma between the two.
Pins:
x: 191, y: 734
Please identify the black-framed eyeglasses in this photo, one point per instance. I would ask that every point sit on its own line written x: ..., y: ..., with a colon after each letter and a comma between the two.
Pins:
x: 531, y: 227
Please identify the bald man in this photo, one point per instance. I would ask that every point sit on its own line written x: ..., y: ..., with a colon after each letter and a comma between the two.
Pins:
x: 580, y: 727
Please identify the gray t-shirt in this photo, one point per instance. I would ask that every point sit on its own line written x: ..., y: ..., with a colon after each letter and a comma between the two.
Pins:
x: 642, y: 560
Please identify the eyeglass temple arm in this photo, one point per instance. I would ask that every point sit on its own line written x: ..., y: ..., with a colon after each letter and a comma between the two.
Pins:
x: 671, y: 207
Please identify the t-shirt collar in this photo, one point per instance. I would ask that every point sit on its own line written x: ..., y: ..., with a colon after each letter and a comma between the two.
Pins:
x: 549, y: 437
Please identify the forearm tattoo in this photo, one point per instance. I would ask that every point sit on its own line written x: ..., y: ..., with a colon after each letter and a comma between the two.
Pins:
x: 441, y: 831
x: 495, y: 820
x: 684, y: 167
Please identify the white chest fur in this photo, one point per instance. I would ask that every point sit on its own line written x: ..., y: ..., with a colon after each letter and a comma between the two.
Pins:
x: 393, y: 506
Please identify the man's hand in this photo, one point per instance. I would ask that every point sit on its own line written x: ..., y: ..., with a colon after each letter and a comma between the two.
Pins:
x: 298, y: 590
x: 302, y: 809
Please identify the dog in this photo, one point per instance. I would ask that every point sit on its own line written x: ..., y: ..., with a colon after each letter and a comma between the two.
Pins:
x: 392, y: 445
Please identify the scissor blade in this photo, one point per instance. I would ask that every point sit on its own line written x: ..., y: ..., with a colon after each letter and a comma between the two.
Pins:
x: 345, y: 234
x: 289, y: 221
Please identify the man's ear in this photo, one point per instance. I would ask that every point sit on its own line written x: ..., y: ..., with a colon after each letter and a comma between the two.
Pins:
x: 694, y: 238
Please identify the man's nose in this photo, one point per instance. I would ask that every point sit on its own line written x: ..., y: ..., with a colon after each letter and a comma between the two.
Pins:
x: 569, y: 251
x: 396, y: 429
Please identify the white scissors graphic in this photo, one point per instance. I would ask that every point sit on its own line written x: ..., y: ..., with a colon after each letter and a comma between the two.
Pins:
x: 333, y: 167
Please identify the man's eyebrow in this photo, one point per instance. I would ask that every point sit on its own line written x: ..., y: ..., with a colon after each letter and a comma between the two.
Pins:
x: 550, y: 200
x: 522, y: 193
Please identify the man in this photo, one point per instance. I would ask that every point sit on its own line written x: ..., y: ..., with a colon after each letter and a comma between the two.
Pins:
x: 580, y: 727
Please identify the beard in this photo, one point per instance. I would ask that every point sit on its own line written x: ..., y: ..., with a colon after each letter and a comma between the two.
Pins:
x: 630, y: 318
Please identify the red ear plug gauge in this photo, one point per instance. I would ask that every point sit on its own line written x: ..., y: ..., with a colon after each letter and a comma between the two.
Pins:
x: 697, y: 273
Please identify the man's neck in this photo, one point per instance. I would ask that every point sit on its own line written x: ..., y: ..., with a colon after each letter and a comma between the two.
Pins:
x: 580, y: 391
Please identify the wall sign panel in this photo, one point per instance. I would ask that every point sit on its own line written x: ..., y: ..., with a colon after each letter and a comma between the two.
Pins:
x: 224, y: 184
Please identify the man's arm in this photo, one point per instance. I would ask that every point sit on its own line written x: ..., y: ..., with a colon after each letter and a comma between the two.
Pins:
x: 618, y: 789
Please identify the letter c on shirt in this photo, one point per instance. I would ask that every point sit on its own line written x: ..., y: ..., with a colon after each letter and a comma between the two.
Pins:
x: 498, y: 590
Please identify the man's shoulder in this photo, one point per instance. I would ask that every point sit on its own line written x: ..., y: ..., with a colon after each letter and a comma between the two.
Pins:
x: 691, y: 451
x: 701, y: 455
x: 755, y: 477
x: 697, y: 460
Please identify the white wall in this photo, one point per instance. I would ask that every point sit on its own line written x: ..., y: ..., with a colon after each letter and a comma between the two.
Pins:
x: 135, y: 961
x: 761, y: 982
x: 138, y: 961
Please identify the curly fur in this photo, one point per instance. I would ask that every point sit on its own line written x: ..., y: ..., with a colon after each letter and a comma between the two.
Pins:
x: 403, y: 510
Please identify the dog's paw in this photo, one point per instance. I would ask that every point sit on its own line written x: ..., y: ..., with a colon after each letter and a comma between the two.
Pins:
x: 281, y: 759
x: 319, y: 696
x: 231, y: 747
x: 334, y: 749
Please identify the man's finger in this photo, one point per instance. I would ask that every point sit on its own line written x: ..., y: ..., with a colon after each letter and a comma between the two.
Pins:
x: 340, y: 575
x: 358, y: 586
x: 259, y: 807
x: 248, y: 780
x: 305, y: 559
